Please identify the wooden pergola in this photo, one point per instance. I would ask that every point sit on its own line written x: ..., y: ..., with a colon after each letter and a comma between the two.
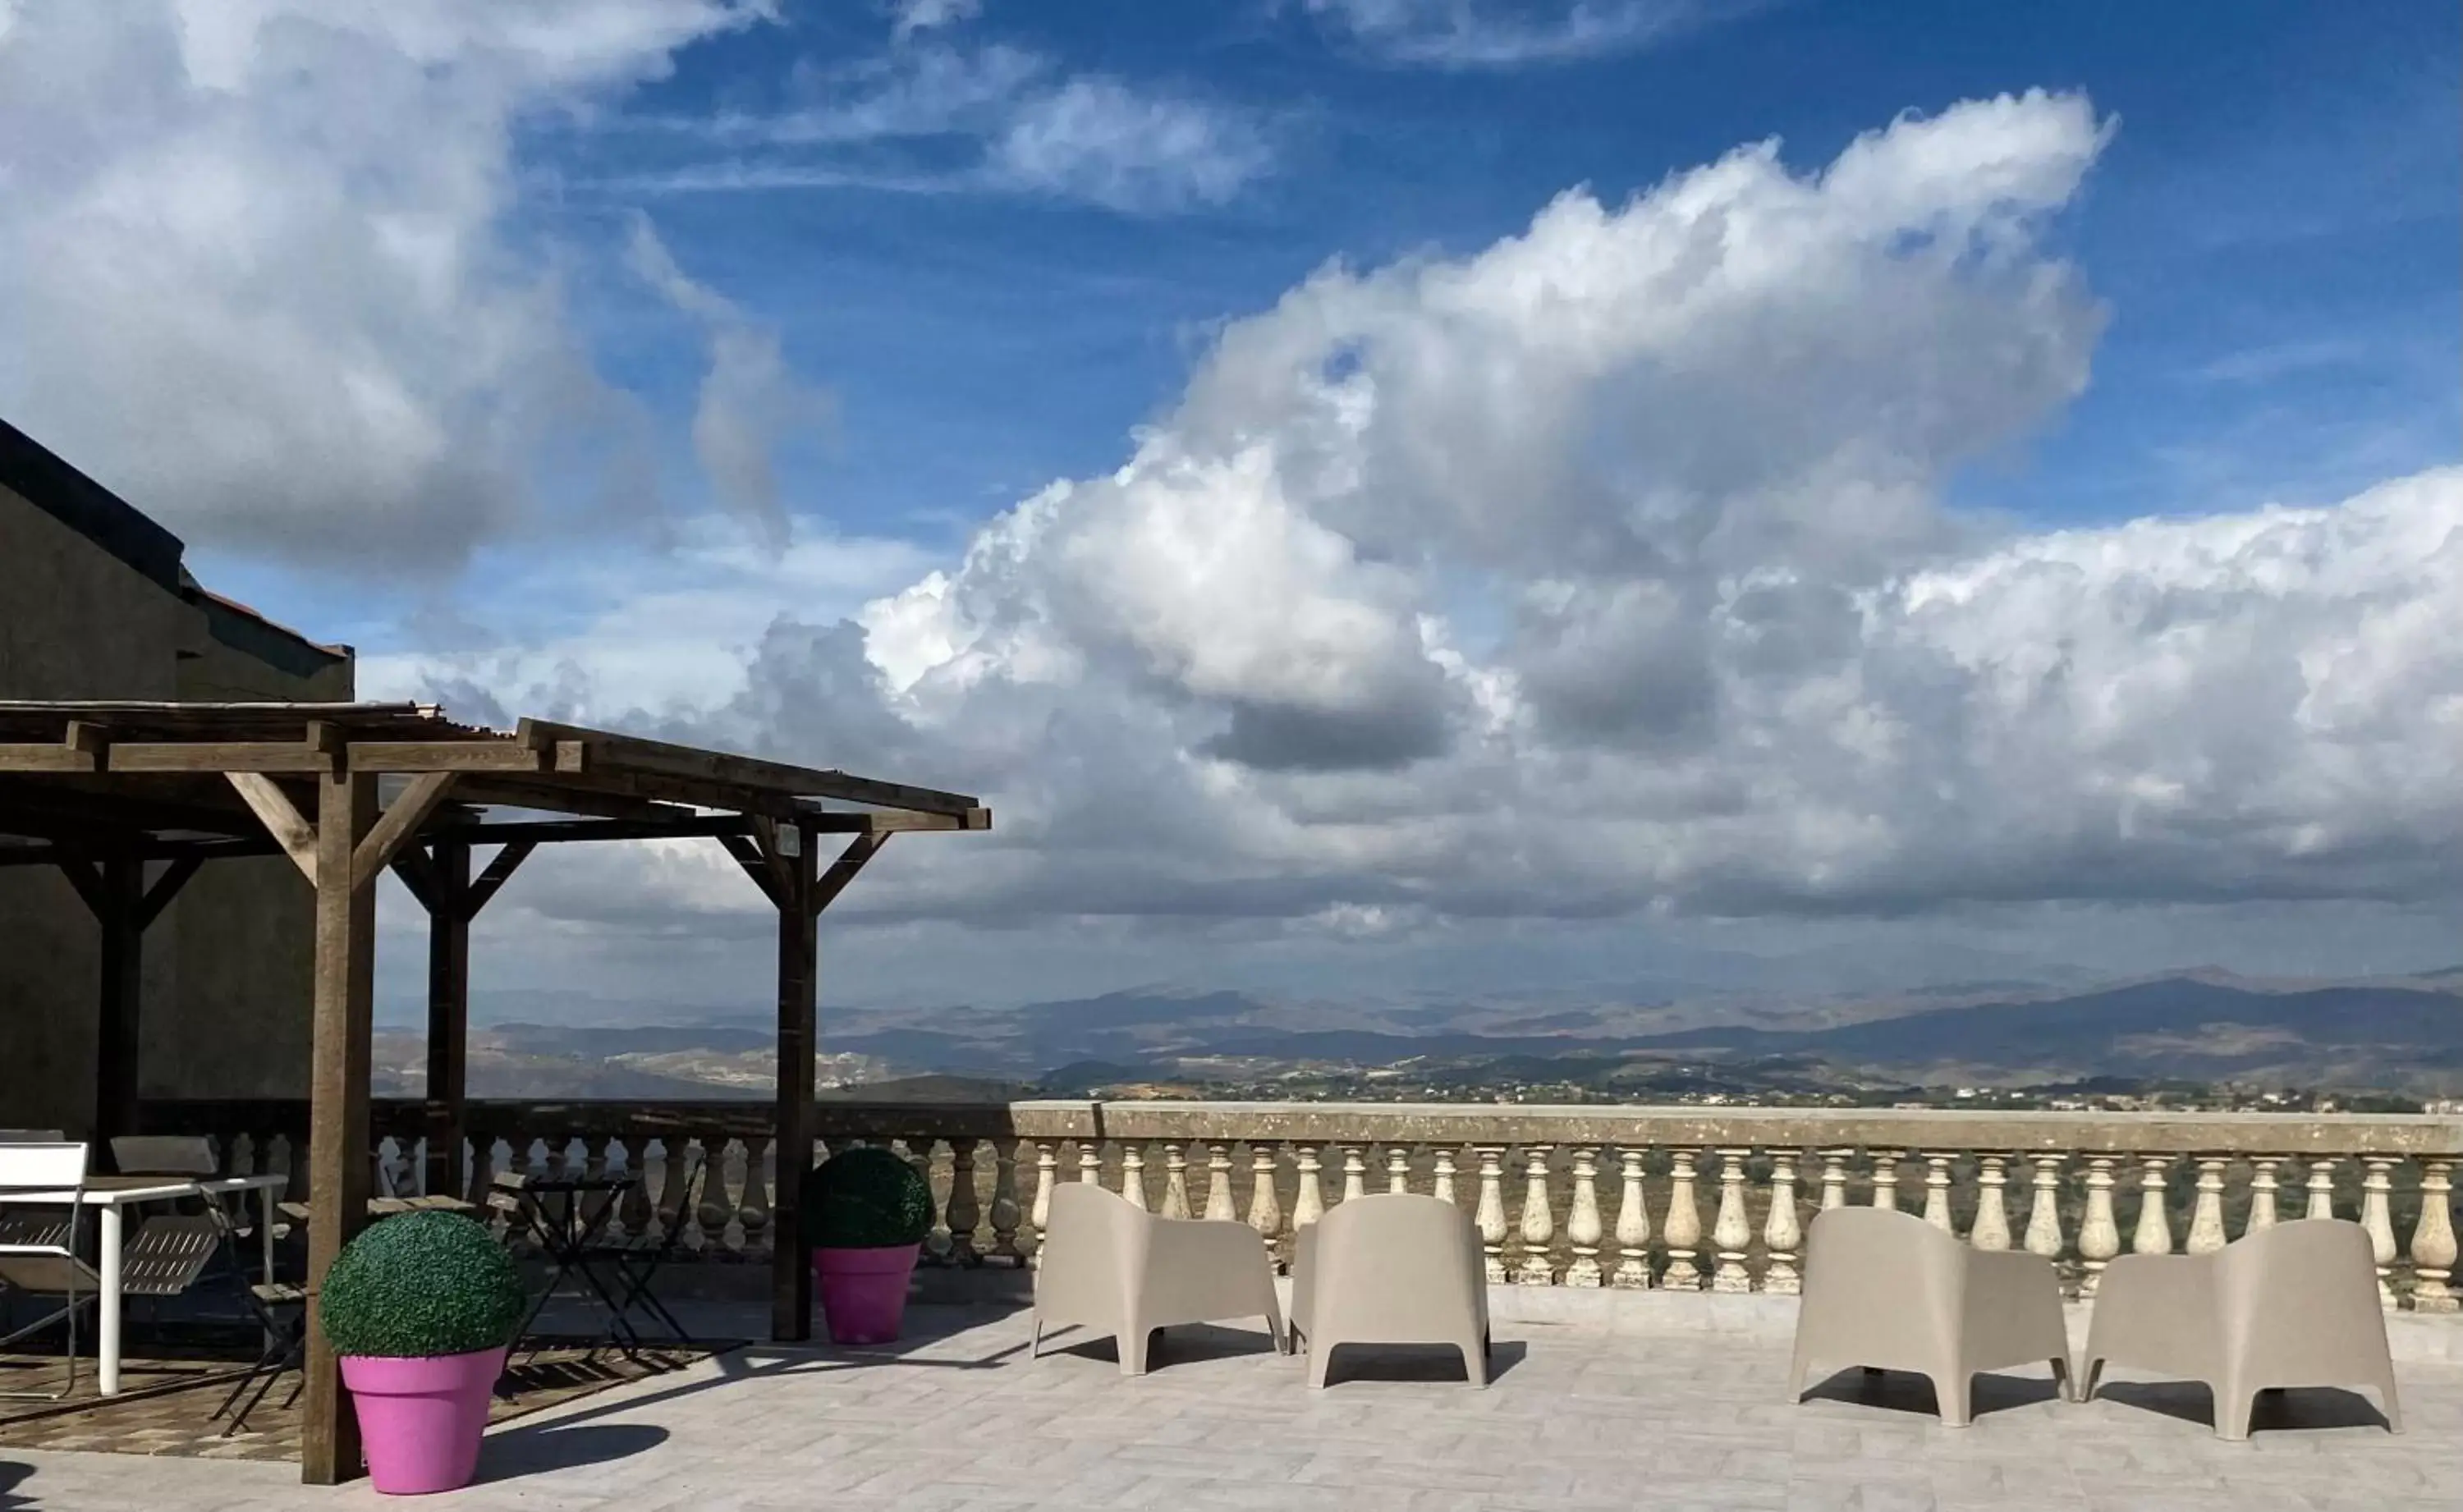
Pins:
x: 102, y: 790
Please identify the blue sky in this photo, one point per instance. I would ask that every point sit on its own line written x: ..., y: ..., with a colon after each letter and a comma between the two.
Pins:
x: 1363, y: 487
x: 2273, y: 227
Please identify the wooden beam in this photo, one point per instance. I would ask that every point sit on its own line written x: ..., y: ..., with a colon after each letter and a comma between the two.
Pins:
x: 791, y: 1272
x: 47, y: 757
x: 748, y: 856
x: 296, y: 836
x: 842, y: 870
x: 498, y: 871
x: 211, y: 756
x: 841, y: 821
x: 468, y: 755
x: 626, y: 753
x: 122, y: 1005
x: 338, y: 1119
x: 449, y: 1012
x: 398, y: 822
x: 166, y: 888
x: 550, y: 796
x: 551, y: 832
x: 144, y: 849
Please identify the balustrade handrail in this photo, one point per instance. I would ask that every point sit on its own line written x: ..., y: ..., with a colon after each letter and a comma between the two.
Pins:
x: 2155, y: 1132
x: 1610, y: 1196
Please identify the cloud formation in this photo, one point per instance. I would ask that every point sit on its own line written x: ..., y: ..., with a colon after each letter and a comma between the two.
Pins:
x: 933, y: 116
x: 243, y: 293
x: 1507, y: 33
x: 1608, y: 571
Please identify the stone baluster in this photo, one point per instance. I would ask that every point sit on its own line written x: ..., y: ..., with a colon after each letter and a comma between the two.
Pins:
x: 2098, y: 1231
x: 2321, y: 1189
x: 965, y: 1206
x: 2154, y: 1235
x: 1834, y: 1177
x: 281, y: 1155
x: 1090, y: 1162
x: 2432, y: 1241
x: 1936, y: 1208
x: 1004, y: 1210
x: 1633, y: 1224
x: 1729, y: 1231
x: 243, y: 1155
x: 1683, y: 1230
x: 1133, y: 1173
x: 1355, y: 1172
x: 753, y: 1214
x: 1992, y: 1228
x: 1175, y: 1181
x: 1308, y: 1205
x: 633, y: 1211
x: 1489, y: 1215
x: 2207, y: 1216
x: 1886, y: 1178
x: 1538, y: 1221
x: 1265, y: 1211
x: 1582, y: 1228
x: 1783, y: 1233
x: 2377, y: 1185
x: 1442, y: 1181
x: 734, y: 1188
x: 2263, y: 1188
x: 940, y: 1243
x: 695, y: 1220
x: 1038, y: 1213
x: 1398, y: 1171
x: 1220, y: 1205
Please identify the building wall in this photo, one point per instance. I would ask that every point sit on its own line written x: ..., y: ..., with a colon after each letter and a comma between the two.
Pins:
x: 227, y: 968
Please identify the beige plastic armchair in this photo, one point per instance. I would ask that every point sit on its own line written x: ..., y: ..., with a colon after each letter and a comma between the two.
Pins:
x: 2296, y: 1304
x: 1887, y: 1290
x: 1390, y: 1269
x: 1116, y: 1270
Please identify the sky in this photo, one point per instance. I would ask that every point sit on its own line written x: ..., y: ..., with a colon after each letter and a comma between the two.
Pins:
x: 1379, y: 495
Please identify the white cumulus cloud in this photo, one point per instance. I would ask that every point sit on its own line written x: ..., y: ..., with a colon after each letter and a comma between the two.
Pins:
x: 1609, y: 572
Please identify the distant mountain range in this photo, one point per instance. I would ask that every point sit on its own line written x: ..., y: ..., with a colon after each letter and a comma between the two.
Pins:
x: 2393, y: 1033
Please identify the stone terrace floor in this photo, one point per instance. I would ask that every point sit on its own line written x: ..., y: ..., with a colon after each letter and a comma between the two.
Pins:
x: 1601, y: 1402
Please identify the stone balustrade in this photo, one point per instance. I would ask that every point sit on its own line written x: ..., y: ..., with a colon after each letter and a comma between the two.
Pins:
x: 1676, y: 1197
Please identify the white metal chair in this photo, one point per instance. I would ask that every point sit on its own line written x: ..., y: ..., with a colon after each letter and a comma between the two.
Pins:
x: 42, y: 1207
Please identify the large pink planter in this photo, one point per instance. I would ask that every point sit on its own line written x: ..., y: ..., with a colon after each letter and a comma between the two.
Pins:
x: 863, y: 1291
x: 420, y: 1419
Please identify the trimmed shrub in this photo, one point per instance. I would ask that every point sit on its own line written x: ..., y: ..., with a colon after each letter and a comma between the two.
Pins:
x: 865, y: 1197
x: 422, y: 1284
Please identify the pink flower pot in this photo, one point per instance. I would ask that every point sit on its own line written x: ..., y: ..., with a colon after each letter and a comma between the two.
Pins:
x: 863, y: 1291
x: 420, y: 1419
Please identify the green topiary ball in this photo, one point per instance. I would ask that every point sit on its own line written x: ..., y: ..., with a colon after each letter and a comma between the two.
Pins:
x: 422, y: 1284
x: 866, y: 1198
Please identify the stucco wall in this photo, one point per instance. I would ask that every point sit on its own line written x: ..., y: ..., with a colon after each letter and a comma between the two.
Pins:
x: 75, y: 623
x: 227, y: 981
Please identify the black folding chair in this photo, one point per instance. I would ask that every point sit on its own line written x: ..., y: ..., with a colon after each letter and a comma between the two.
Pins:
x: 636, y: 1258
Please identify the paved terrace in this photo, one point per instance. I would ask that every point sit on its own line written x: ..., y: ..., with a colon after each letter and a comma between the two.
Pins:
x: 1602, y: 1400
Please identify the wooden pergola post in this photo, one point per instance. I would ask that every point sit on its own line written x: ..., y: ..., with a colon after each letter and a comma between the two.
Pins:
x: 448, y: 1009
x: 789, y: 852
x: 118, y: 903
x: 337, y: 1102
x: 116, y: 895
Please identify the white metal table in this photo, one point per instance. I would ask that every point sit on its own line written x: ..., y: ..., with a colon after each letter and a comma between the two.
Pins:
x: 109, y: 1196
